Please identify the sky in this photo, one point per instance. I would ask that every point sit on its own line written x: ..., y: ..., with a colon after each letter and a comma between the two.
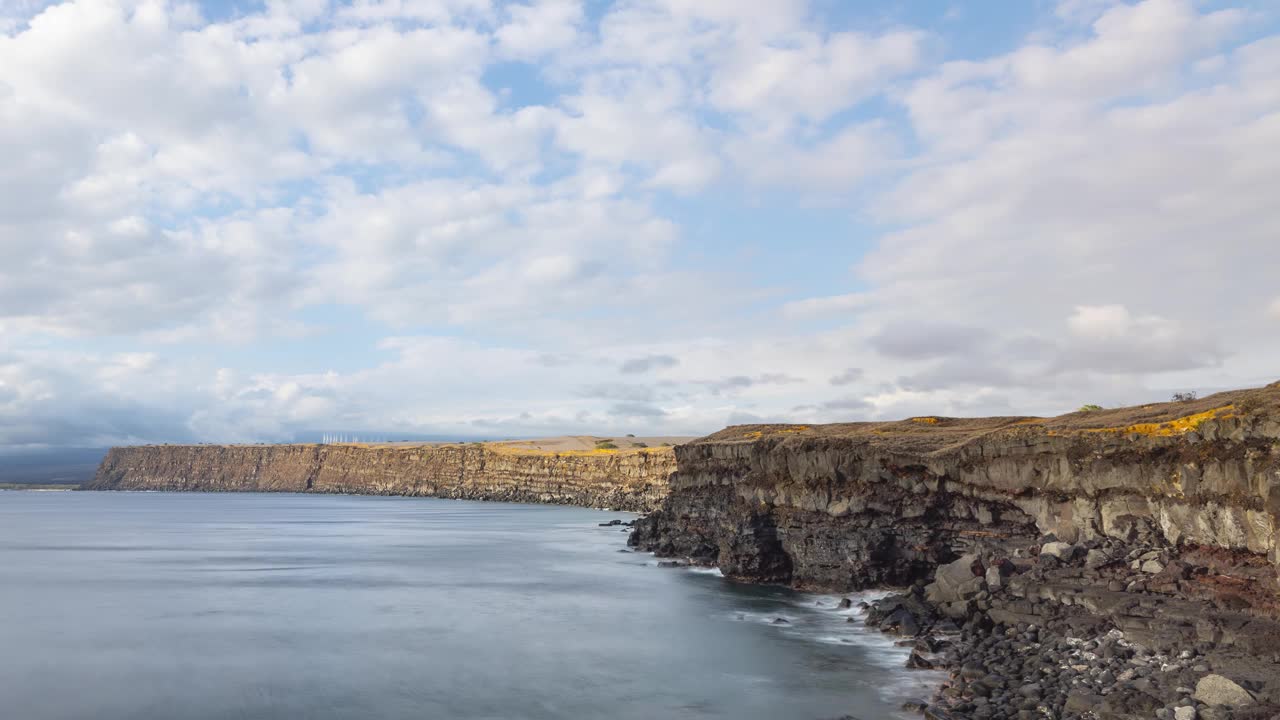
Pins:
x: 240, y: 221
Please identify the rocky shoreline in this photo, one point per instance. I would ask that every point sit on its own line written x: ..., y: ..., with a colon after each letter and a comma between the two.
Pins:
x: 1103, y: 629
x: 1104, y: 565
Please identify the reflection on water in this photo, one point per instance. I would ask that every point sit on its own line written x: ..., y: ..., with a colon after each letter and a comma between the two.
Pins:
x: 195, y: 606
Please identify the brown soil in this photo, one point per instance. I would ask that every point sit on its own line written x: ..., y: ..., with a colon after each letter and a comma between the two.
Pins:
x: 927, y: 434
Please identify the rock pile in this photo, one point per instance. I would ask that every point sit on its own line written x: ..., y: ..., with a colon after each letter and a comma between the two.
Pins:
x: 1101, y: 629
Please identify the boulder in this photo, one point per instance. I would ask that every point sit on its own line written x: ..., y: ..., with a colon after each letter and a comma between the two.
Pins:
x: 1219, y: 690
x: 995, y: 580
x: 955, y: 581
x: 918, y: 661
x: 1080, y: 702
x: 1096, y: 559
x: 1058, y: 550
x: 1184, y: 712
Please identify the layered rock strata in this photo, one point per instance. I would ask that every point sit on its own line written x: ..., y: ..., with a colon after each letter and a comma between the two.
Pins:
x: 622, y: 480
x: 1157, y: 523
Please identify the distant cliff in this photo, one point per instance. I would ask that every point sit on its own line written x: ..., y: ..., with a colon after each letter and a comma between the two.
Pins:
x: 634, y: 480
x: 864, y: 504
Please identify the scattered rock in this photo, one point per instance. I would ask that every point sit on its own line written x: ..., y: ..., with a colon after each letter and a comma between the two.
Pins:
x: 955, y: 581
x: 1220, y: 690
x: 1058, y: 550
x: 1096, y: 559
x: 915, y: 706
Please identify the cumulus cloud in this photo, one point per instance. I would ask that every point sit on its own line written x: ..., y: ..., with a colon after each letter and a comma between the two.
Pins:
x: 470, y: 214
x: 1110, y: 338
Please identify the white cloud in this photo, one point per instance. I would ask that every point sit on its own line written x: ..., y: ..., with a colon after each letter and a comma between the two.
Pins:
x: 536, y: 29
x: 1084, y: 215
x: 831, y: 166
x: 805, y: 76
x: 1110, y: 322
x: 818, y: 306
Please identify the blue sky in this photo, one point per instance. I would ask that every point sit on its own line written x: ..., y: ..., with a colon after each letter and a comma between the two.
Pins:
x: 233, y: 221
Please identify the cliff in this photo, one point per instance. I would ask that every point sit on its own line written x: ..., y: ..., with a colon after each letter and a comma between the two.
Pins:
x: 634, y: 480
x: 862, y: 504
x: 1110, y: 565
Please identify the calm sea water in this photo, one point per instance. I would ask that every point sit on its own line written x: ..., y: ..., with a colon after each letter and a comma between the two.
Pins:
x: 219, y: 606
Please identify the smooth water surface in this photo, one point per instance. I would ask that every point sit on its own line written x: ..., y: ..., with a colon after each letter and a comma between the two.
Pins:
x: 186, y: 606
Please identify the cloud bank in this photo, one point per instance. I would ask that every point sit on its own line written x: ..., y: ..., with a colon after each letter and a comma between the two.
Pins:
x: 486, y: 218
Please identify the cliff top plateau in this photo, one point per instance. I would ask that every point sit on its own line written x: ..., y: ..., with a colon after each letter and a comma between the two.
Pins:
x: 563, y: 445
x: 932, y: 434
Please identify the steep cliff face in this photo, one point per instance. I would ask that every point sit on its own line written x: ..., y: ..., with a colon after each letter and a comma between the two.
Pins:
x: 862, y: 504
x: 624, y: 480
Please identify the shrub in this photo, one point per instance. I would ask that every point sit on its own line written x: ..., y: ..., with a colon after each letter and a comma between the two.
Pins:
x: 1184, y: 396
x: 606, y: 445
x: 631, y: 434
x: 1090, y: 408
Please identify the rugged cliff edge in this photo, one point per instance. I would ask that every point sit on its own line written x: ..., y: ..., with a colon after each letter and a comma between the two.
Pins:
x: 1022, y: 541
x: 634, y: 480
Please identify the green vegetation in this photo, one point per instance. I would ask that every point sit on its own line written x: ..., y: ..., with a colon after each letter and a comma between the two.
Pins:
x: 606, y: 445
x: 1089, y: 408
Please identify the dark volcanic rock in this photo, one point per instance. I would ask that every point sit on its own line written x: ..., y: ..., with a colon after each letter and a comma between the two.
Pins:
x: 1095, y: 565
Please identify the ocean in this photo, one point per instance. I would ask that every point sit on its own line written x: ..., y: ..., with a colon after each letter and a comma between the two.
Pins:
x: 193, y: 606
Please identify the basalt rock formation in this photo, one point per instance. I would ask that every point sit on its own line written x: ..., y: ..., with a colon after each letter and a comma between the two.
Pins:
x: 622, y: 480
x: 1103, y: 564
x: 840, y: 507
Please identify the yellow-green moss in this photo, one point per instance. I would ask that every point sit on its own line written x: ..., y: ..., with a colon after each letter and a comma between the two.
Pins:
x: 1177, y: 426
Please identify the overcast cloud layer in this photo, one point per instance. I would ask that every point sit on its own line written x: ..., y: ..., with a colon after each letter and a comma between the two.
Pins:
x: 468, y: 217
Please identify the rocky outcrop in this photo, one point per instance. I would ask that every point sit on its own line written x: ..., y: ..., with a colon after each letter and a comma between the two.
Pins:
x: 866, y: 504
x: 1108, y: 564
x: 622, y: 480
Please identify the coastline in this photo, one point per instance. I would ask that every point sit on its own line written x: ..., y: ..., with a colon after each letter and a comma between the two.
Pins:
x: 630, y: 479
x: 1112, y: 565
x: 1107, y: 564
x: 1030, y: 645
